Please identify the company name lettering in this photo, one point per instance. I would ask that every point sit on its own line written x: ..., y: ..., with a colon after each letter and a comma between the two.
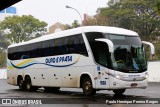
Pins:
x: 134, y: 75
x: 59, y: 59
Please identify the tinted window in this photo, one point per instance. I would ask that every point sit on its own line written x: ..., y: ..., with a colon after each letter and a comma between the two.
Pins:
x: 24, y: 53
x: 35, y: 50
x: 124, y: 39
x: 99, y: 49
x: 66, y: 45
x: 70, y: 45
x: 79, y: 45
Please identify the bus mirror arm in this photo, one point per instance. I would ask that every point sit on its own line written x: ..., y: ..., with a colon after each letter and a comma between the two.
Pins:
x: 152, y: 49
x: 109, y: 43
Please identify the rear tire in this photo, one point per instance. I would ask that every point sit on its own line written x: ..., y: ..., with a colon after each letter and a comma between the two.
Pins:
x: 119, y: 91
x: 87, y: 87
x: 21, y: 84
x: 28, y: 85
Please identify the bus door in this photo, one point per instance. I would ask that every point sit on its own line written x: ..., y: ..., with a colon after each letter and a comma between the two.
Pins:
x: 101, y: 55
x: 101, y: 77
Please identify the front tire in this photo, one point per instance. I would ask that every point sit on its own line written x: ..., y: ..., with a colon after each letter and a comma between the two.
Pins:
x: 87, y: 87
x: 119, y: 91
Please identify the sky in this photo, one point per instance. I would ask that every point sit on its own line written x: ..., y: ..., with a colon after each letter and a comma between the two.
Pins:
x: 52, y: 11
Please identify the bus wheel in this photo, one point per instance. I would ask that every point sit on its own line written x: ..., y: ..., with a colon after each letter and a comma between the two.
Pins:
x: 119, y: 91
x: 21, y: 84
x: 87, y: 87
x: 28, y: 85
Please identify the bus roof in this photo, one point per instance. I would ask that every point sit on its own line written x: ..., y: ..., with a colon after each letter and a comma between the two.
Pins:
x: 103, y: 29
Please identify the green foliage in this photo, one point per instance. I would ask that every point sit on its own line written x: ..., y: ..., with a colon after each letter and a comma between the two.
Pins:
x: 138, y: 15
x: 91, y: 21
x: 158, y: 6
x: 75, y: 24
x: 3, y: 46
x: 2, y: 59
x: 67, y: 26
x: 23, y: 28
x: 3, y: 41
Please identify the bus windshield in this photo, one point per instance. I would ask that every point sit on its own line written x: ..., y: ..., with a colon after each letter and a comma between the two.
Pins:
x: 128, y: 55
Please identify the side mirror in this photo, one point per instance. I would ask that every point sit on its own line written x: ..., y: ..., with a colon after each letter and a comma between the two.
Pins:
x: 152, y: 49
x: 109, y: 42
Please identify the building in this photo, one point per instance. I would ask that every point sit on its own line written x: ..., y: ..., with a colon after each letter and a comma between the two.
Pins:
x: 56, y: 28
x: 10, y: 11
x: 89, y: 20
x: 85, y: 18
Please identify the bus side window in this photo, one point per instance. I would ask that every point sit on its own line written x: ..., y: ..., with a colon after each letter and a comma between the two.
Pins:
x: 78, y: 45
x: 55, y: 47
x: 38, y: 50
x: 102, y: 57
x: 62, y: 46
x: 99, y: 49
x: 32, y: 50
x: 101, y: 52
x: 25, y: 57
x: 70, y: 45
x: 50, y: 47
x: 25, y: 53
x: 45, y: 48
x: 81, y: 46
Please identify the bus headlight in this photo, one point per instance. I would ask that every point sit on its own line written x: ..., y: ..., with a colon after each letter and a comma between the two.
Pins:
x: 146, y: 75
x: 118, y: 76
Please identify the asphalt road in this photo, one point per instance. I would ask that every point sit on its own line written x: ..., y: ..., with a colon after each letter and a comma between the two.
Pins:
x: 71, y: 97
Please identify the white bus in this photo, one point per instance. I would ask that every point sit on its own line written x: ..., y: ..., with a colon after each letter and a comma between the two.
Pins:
x: 92, y: 58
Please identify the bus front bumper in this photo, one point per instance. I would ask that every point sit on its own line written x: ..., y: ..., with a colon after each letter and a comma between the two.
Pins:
x: 121, y: 84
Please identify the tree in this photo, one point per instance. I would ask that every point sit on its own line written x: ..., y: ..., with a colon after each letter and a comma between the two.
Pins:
x: 158, y: 6
x: 138, y: 15
x: 3, y: 59
x: 75, y: 24
x: 23, y: 28
x: 67, y: 26
x: 3, y: 42
x: 90, y: 21
x: 3, y: 46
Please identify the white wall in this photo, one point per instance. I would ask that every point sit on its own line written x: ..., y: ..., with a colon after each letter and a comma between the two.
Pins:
x: 154, y: 71
x: 3, y: 15
x: 3, y: 74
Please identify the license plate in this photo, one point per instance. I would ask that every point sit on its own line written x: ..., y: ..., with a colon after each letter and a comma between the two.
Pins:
x: 134, y: 85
